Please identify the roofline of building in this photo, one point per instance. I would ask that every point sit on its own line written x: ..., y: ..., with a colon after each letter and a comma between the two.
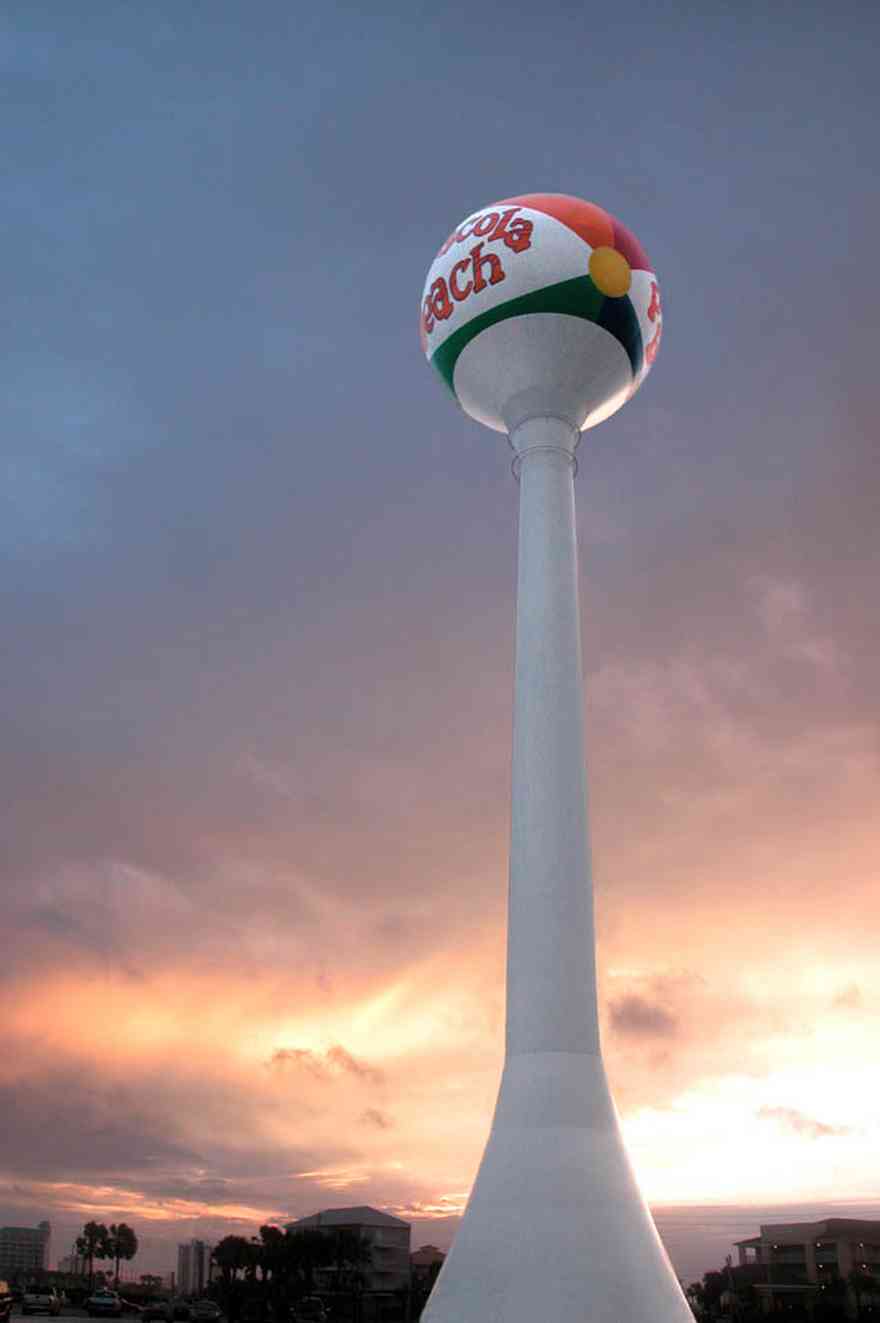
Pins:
x: 351, y: 1216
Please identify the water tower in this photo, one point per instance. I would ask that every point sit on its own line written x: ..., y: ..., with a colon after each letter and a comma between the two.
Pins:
x: 542, y: 315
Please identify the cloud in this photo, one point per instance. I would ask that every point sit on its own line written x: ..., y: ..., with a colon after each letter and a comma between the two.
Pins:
x: 327, y: 1065
x: 667, y: 1032
x: 785, y: 612
x: 344, y: 1061
x: 849, y: 999
x: 64, y: 1124
x: 789, y: 1118
x: 373, y: 1117
x: 635, y: 1017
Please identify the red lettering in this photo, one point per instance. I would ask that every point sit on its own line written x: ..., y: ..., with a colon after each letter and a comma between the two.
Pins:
x: 653, y: 345
x: 493, y: 227
x: 654, y: 305
x: 519, y: 235
x: 484, y: 268
x: 496, y: 270
x: 457, y: 293
x: 486, y: 223
x: 501, y: 228
x: 441, y: 305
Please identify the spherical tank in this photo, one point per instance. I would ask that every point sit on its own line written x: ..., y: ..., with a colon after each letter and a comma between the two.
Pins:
x: 542, y: 305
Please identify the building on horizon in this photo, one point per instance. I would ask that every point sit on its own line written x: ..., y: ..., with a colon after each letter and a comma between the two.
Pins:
x: 388, y: 1238
x: 193, y: 1267
x: 425, y: 1263
x: 73, y: 1263
x: 25, y: 1250
x: 798, y: 1260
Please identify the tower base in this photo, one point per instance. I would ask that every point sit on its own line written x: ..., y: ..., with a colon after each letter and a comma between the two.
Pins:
x: 556, y: 1230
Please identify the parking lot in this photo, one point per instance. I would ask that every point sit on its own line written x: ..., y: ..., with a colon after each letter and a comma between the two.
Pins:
x: 68, y: 1311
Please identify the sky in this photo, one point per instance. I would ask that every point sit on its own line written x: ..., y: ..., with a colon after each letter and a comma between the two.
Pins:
x: 257, y: 584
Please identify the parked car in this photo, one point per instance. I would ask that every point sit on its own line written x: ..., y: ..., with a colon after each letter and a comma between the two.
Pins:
x: 159, y: 1311
x: 104, y: 1304
x: 41, y: 1301
x: 7, y: 1300
x: 309, y: 1310
x: 205, y: 1311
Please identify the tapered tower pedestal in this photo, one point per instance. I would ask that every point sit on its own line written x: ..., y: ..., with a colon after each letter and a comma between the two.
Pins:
x: 556, y: 1230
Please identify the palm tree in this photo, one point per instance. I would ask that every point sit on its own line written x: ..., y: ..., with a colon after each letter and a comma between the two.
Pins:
x: 276, y: 1267
x: 231, y: 1255
x: 93, y: 1244
x: 122, y: 1243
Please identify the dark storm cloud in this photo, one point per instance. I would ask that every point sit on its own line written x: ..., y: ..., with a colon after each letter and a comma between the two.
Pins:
x: 149, y: 1138
x: 60, y: 1126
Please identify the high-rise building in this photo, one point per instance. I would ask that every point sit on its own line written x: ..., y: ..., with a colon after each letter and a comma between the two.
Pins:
x: 193, y: 1267
x: 24, y: 1249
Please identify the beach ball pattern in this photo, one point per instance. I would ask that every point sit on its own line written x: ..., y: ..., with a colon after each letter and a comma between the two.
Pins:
x: 544, y: 255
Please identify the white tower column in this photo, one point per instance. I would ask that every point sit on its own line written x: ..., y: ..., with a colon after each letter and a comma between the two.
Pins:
x: 551, y: 980
x: 556, y: 1230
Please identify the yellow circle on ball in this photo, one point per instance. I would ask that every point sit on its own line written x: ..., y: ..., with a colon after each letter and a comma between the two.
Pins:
x: 610, y: 271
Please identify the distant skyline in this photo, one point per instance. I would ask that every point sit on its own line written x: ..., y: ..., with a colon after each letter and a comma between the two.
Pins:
x: 257, y: 579
x: 697, y: 1237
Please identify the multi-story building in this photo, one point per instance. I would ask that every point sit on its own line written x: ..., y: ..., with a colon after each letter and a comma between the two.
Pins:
x: 387, y: 1238
x: 804, y: 1258
x: 193, y: 1267
x: 24, y: 1250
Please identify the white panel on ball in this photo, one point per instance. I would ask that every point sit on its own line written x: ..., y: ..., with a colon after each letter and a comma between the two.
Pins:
x: 532, y: 366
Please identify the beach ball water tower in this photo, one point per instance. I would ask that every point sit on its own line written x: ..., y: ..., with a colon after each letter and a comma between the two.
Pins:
x: 542, y: 315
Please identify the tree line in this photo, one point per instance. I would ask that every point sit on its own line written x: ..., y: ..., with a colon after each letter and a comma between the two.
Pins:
x: 730, y: 1292
x: 117, y: 1242
x: 284, y: 1265
x: 278, y: 1266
